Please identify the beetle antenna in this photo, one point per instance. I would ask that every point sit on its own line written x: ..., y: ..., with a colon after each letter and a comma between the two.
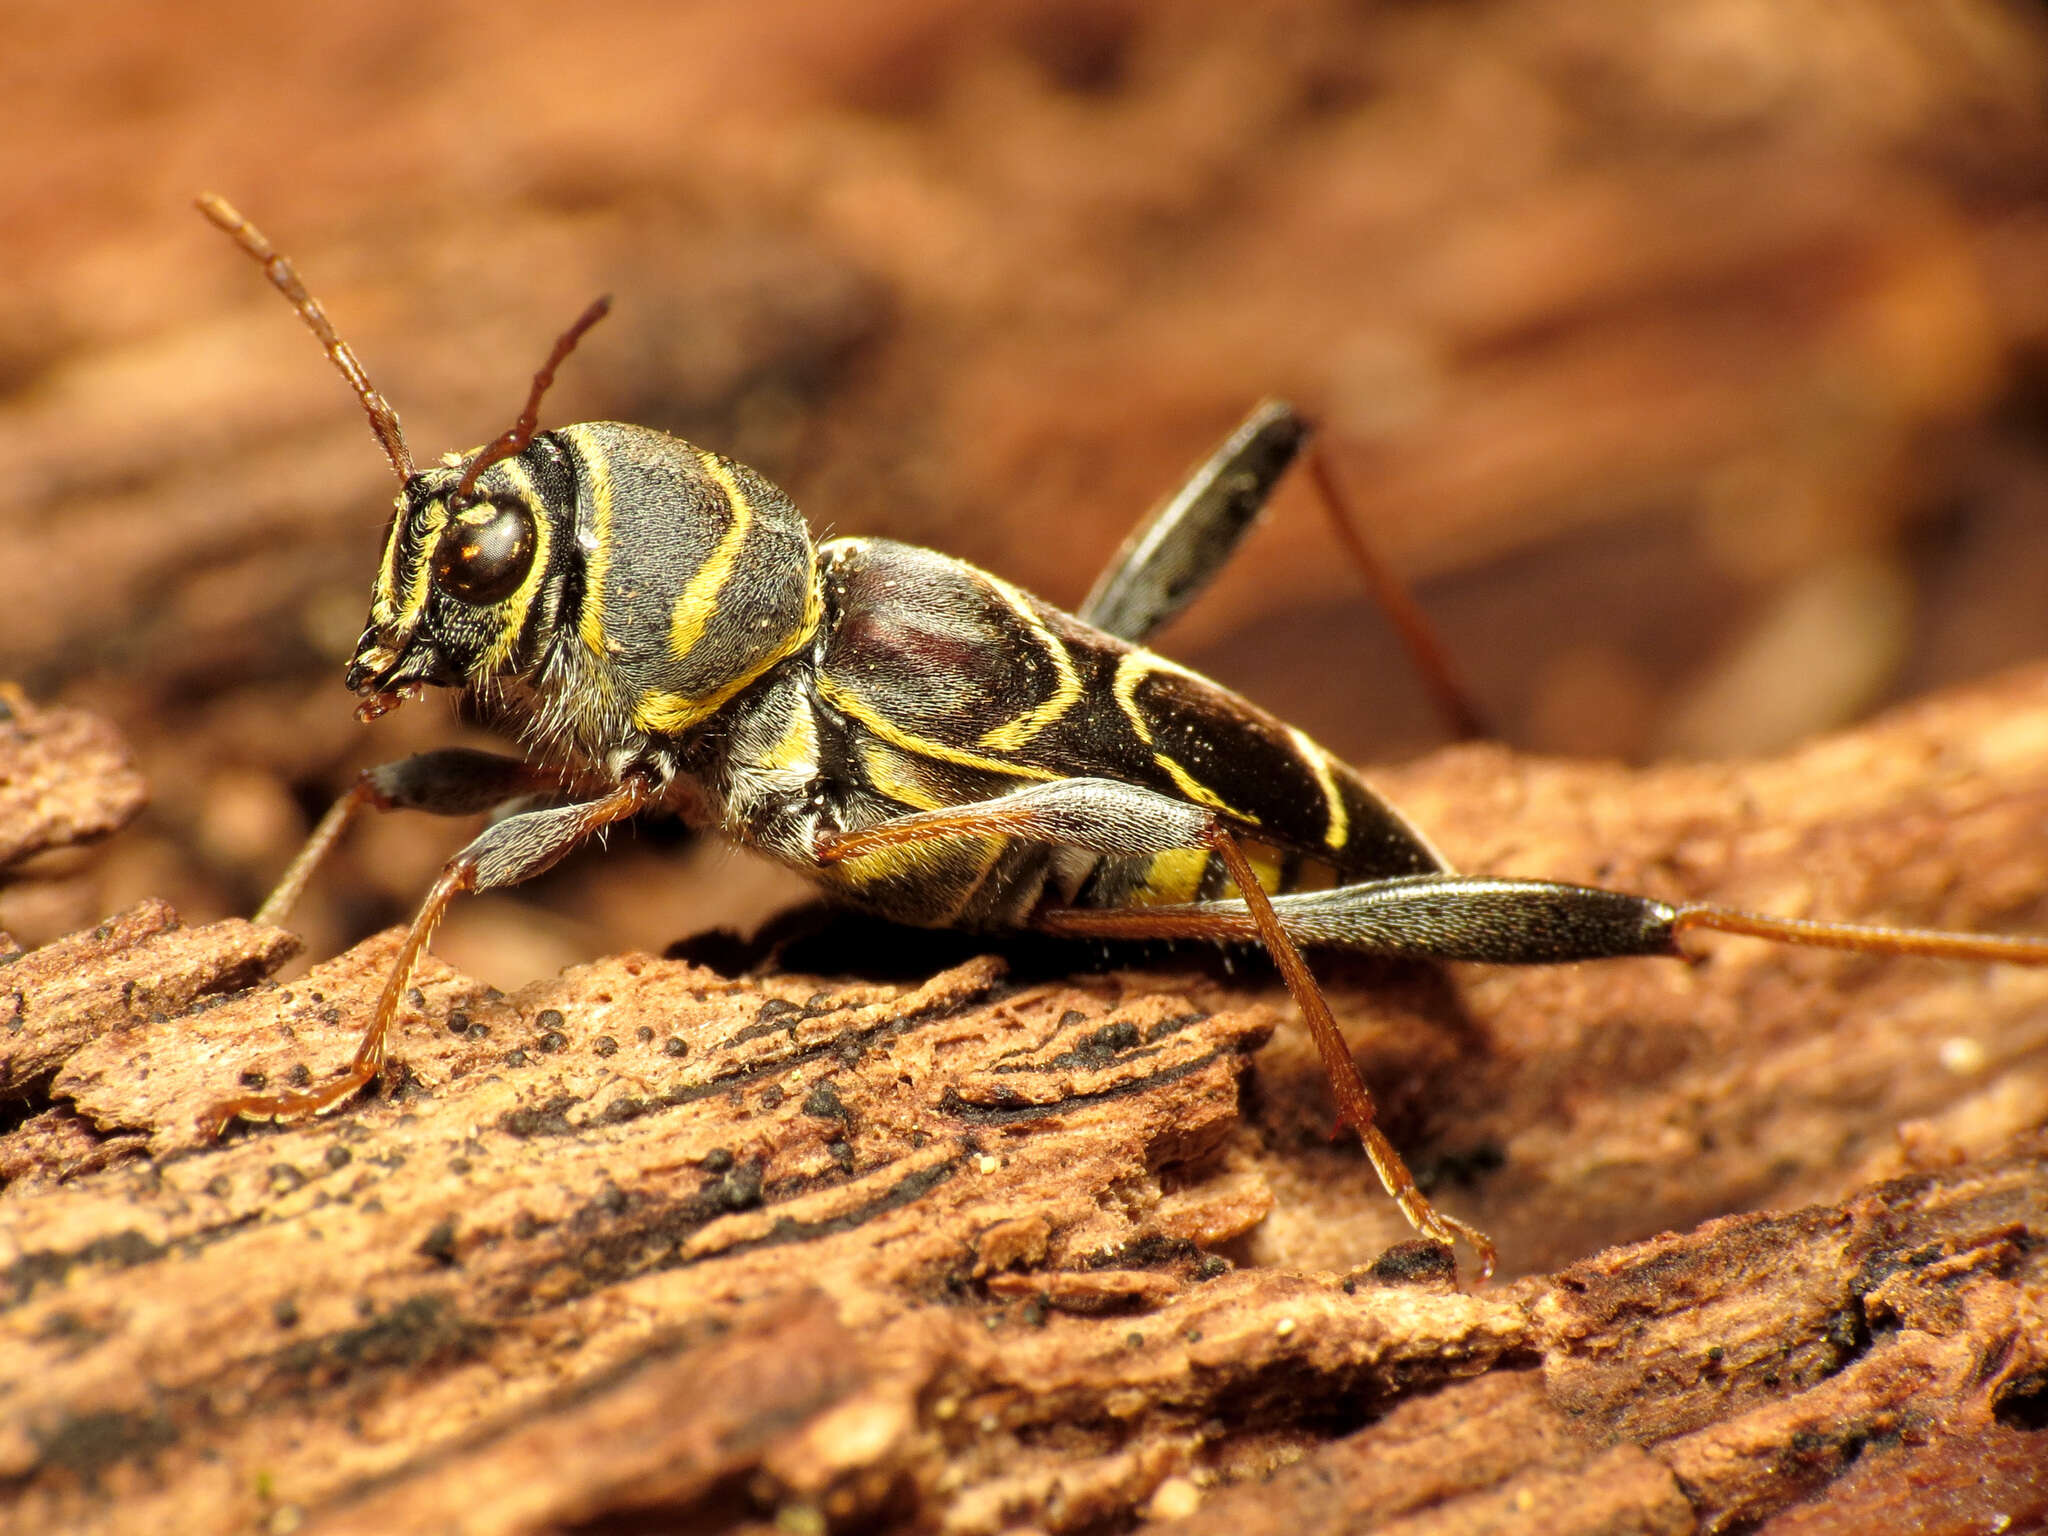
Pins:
x: 285, y: 278
x: 520, y: 433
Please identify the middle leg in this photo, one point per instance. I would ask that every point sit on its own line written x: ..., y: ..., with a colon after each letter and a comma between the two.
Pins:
x: 1109, y: 817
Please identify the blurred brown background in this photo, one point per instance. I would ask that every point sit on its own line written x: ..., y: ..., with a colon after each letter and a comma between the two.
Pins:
x: 1692, y: 358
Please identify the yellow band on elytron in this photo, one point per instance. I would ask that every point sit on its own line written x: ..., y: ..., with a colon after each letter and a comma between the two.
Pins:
x: 1130, y: 672
x: 1326, y: 780
x: 850, y: 704
x: 1012, y: 734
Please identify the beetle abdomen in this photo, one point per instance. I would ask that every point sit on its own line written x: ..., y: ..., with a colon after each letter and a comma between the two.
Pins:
x: 968, y: 686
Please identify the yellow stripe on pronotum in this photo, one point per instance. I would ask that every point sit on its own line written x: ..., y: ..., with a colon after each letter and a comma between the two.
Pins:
x: 597, y: 552
x: 699, y: 599
x: 667, y: 713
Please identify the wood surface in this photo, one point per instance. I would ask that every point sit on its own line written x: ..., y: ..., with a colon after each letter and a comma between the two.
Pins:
x: 654, y: 1247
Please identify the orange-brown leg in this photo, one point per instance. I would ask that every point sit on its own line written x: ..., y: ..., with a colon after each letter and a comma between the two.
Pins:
x: 1426, y: 649
x: 1257, y: 921
x: 1178, y: 549
x: 1354, y: 1100
x: 341, y: 815
x: 1439, y: 916
x: 1138, y: 819
x: 514, y: 849
x: 1868, y: 938
x: 371, y: 1051
x: 454, y: 782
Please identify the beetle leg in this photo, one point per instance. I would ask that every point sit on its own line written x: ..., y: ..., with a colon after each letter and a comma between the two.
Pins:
x: 1178, y: 549
x: 1519, y: 922
x: 1432, y: 917
x: 1187, y: 539
x: 515, y: 849
x: 1423, y: 917
x: 1100, y: 815
x: 1426, y: 650
x: 453, y: 782
x: 1105, y: 816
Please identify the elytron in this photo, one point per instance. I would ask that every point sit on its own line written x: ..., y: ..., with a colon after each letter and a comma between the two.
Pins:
x: 653, y: 623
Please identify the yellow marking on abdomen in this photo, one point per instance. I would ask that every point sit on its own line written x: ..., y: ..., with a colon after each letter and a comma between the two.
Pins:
x: 1012, y: 734
x: 1267, y: 863
x: 889, y: 771
x: 1338, y: 831
x: 1173, y: 877
x: 1130, y: 672
x: 1315, y: 875
x: 916, y: 859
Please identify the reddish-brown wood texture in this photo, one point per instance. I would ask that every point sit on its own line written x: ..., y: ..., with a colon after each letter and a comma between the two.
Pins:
x: 654, y: 1247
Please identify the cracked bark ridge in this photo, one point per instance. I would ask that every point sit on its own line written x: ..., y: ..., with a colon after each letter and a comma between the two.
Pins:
x: 65, y: 777
x: 650, y: 1246
x: 139, y: 966
x: 1890, y: 1350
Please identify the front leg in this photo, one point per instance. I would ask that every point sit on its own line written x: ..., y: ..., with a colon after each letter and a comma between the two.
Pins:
x: 512, y: 850
x: 453, y: 782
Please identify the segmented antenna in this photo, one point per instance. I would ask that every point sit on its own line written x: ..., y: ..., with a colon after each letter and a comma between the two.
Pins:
x: 285, y: 278
x: 521, y: 431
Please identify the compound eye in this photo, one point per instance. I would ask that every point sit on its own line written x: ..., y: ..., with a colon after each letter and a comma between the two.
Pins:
x: 485, y: 552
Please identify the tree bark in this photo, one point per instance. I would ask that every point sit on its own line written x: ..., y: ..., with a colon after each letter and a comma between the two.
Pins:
x: 654, y: 1247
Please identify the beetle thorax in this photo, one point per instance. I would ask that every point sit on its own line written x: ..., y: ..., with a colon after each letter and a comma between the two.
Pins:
x: 607, y: 585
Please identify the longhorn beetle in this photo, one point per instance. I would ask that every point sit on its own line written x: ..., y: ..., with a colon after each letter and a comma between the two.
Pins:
x: 918, y: 736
